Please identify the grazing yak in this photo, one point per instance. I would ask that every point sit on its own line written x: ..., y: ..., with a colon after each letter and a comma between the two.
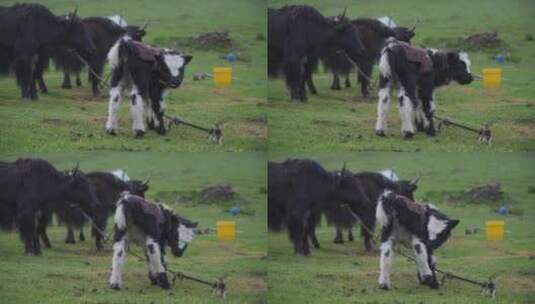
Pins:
x: 418, y: 72
x: 420, y: 227
x: 107, y: 188
x: 27, y: 29
x: 31, y: 187
x: 104, y: 33
x: 152, y: 226
x: 148, y: 72
x: 297, y: 191
x: 373, y: 185
x: 298, y: 34
x: 373, y: 34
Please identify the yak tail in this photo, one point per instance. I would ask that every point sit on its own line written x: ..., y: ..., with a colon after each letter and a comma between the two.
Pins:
x: 118, y: 51
x: 381, y: 214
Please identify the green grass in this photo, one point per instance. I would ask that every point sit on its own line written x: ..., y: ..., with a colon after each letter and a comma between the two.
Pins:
x: 343, y: 120
x: 79, y: 274
x: 71, y: 120
x: 347, y: 274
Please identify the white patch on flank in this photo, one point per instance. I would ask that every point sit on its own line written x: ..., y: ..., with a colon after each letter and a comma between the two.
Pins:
x: 120, y: 218
x: 432, y: 206
x: 174, y: 62
x: 391, y: 175
x: 119, y: 254
x: 382, y: 108
x: 388, y: 21
x: 185, y: 236
x: 155, y: 261
x: 119, y: 20
x: 380, y: 213
x: 464, y: 58
x: 384, y: 66
x: 435, y: 227
x: 385, y: 262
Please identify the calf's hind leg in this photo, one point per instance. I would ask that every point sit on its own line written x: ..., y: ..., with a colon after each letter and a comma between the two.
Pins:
x: 119, y: 255
x: 156, y: 270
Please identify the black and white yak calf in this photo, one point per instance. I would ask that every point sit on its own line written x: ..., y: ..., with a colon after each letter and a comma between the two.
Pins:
x: 148, y: 73
x: 152, y: 226
x: 420, y: 227
x: 418, y: 72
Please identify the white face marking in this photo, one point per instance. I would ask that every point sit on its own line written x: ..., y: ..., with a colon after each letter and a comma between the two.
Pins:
x: 185, y: 236
x: 435, y: 227
x: 174, y: 62
x: 464, y: 58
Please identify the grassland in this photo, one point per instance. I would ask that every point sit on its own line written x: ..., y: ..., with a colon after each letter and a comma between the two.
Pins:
x: 79, y: 274
x: 71, y: 120
x: 344, y: 121
x: 347, y: 274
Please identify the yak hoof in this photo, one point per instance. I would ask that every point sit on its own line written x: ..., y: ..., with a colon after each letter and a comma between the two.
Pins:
x: 153, y: 280
x: 163, y: 282
x: 66, y: 86
x: 408, y: 134
x: 430, y: 281
x: 111, y: 132
x: 380, y: 133
x: 139, y: 133
x: 115, y: 286
x: 161, y: 130
x: 338, y: 241
x: 384, y: 287
x: 431, y: 132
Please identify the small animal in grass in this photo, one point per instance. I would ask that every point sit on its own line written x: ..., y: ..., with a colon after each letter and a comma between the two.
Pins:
x: 152, y: 226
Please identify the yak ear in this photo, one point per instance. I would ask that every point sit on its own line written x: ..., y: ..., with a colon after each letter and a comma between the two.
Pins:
x: 187, y: 58
x: 453, y: 223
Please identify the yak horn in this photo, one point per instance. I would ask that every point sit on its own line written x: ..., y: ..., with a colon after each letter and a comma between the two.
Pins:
x: 75, y: 169
x: 415, y: 181
x: 343, y: 16
x: 146, y: 182
x: 343, y: 169
x: 414, y: 25
x: 144, y: 26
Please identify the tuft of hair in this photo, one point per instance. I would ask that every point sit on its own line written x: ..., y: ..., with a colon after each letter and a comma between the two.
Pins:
x: 120, y: 216
x: 380, y: 214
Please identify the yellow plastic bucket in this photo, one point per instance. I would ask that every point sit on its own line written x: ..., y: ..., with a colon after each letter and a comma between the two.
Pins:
x: 222, y: 76
x: 492, y: 78
x: 226, y: 230
x: 494, y: 230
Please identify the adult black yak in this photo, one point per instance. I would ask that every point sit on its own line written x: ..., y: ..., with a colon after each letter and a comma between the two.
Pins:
x: 104, y: 34
x: 420, y: 227
x: 373, y: 34
x: 152, y: 226
x: 373, y: 185
x: 27, y: 29
x: 148, y: 72
x: 297, y: 34
x: 108, y: 189
x: 418, y: 72
x: 30, y: 187
x: 297, y: 191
